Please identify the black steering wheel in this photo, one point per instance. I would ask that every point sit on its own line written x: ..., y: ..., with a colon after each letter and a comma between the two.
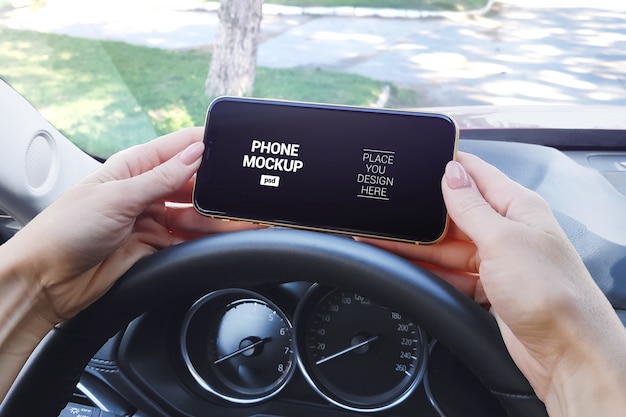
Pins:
x: 264, y: 257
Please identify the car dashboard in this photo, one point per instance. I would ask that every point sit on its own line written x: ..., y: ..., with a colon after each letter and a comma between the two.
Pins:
x: 174, y: 357
x: 304, y: 349
x: 196, y: 357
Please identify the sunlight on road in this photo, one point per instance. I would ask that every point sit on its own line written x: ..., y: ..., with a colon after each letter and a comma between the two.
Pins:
x: 343, y: 37
x: 523, y: 51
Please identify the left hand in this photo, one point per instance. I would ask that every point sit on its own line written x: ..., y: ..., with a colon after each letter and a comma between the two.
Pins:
x: 95, y: 232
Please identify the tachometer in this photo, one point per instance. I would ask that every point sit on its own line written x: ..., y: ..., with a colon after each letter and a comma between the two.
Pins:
x: 357, y: 353
x: 238, y: 346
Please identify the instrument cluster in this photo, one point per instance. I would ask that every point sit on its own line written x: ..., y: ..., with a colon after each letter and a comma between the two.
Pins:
x: 242, y: 348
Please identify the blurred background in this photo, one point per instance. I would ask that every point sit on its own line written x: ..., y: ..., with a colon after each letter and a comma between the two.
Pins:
x: 112, y: 73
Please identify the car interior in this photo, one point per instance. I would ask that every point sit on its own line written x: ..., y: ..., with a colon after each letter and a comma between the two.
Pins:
x: 255, y: 323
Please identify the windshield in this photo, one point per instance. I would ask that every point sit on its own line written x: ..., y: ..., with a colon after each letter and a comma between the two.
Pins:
x: 111, y: 73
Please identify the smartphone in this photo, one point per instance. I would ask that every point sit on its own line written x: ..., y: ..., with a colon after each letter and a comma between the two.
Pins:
x: 348, y: 170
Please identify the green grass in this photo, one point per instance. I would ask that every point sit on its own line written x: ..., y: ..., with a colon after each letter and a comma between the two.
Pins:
x: 442, y: 5
x: 107, y: 96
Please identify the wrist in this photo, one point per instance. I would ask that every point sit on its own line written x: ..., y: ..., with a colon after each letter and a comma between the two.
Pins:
x: 22, y: 326
x: 586, y: 390
x: 590, y: 377
x: 20, y: 290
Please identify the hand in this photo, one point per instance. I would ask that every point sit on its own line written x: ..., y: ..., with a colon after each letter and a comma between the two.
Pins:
x: 135, y: 204
x: 506, y: 250
x: 92, y: 234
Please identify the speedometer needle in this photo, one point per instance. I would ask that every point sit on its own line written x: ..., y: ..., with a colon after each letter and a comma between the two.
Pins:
x: 347, y: 350
x: 243, y: 349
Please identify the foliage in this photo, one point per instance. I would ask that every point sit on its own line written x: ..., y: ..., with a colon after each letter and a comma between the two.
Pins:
x: 107, y: 96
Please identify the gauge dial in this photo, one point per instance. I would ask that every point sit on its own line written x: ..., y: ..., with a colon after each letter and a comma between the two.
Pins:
x: 357, y: 353
x: 238, y: 346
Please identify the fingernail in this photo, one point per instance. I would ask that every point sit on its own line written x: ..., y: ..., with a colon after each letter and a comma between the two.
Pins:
x: 192, y: 153
x: 456, y: 176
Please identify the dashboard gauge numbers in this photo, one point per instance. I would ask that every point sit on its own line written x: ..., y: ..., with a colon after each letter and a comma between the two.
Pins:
x: 238, y: 345
x: 357, y: 353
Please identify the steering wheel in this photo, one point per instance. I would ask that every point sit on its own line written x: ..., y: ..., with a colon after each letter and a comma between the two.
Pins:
x: 265, y: 257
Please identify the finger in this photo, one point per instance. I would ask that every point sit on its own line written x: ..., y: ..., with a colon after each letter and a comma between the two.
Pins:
x: 508, y: 198
x: 453, y: 254
x: 162, y: 180
x: 187, y: 221
x: 480, y: 296
x: 498, y: 189
x: 183, y: 194
x: 442, y: 259
x: 164, y: 148
x: 467, y: 207
x: 465, y: 282
x: 144, y: 157
x: 454, y: 232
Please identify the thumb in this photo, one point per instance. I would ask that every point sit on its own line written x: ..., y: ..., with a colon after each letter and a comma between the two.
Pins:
x: 466, y: 206
x: 166, y: 178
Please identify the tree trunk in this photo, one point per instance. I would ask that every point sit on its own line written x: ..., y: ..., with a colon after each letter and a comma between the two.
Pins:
x: 233, y: 63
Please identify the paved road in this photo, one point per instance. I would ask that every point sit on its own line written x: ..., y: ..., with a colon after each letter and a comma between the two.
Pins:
x: 542, y: 52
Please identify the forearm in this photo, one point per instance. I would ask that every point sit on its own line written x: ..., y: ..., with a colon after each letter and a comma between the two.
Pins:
x: 592, y: 380
x: 589, y: 391
x: 21, y: 328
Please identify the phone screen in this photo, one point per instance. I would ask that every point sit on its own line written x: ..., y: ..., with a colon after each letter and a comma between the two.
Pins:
x: 355, y: 171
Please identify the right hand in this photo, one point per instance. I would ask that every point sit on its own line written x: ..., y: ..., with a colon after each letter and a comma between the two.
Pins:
x: 506, y: 249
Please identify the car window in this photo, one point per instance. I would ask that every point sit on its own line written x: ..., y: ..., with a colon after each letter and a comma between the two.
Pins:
x: 108, y: 79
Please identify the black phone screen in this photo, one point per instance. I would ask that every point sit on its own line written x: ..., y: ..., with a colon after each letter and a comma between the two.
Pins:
x: 352, y: 170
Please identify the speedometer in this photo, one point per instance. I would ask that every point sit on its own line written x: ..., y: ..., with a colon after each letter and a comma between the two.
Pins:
x: 357, y: 353
x: 237, y: 345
